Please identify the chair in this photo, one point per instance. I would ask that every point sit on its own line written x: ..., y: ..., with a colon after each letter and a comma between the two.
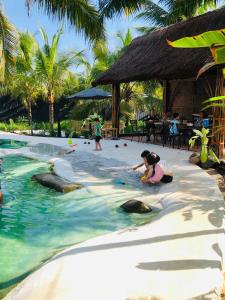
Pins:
x: 135, y: 131
x: 175, y: 134
x: 157, y: 131
x: 108, y: 130
x: 165, y: 133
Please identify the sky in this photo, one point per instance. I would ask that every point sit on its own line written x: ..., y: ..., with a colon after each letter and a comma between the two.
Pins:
x: 17, y: 13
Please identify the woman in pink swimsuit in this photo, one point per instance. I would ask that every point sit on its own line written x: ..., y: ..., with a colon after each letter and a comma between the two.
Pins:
x: 155, y: 172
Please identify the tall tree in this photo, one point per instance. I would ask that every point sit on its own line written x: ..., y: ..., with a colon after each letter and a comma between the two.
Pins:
x: 8, y: 46
x: 80, y: 13
x: 52, y: 68
x: 25, y: 84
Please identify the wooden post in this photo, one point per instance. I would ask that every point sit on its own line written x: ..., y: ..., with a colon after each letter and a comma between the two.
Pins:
x: 166, y: 96
x: 116, y: 107
x: 218, y: 130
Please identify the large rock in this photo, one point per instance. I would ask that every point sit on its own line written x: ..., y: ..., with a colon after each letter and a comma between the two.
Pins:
x: 55, y: 182
x: 135, y: 206
x: 194, y: 158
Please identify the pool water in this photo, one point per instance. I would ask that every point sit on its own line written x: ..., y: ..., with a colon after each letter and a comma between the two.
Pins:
x: 11, y: 144
x: 36, y: 222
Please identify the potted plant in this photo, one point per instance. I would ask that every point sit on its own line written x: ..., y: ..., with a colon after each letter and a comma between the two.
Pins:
x: 206, y: 152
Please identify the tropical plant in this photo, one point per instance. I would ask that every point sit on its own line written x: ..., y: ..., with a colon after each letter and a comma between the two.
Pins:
x: 82, y: 14
x: 52, y: 68
x: 25, y: 83
x: 8, y: 46
x: 206, y: 151
x: 167, y: 12
x: 215, y: 40
x: 161, y: 11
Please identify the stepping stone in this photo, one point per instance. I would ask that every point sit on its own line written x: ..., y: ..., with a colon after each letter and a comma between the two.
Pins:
x: 55, y: 182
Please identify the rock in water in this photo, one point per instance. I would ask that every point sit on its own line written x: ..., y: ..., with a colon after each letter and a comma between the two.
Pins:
x: 55, y: 182
x: 135, y: 206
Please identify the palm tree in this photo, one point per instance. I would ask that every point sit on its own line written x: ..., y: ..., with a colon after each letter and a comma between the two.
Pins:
x: 52, y: 68
x: 8, y: 46
x: 170, y: 12
x: 25, y: 83
x: 175, y: 8
x: 82, y: 14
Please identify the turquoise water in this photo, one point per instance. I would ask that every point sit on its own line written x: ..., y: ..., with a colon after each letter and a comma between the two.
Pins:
x: 11, y: 144
x: 36, y: 222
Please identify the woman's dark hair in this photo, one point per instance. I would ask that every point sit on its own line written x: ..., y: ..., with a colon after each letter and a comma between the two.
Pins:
x: 145, y: 153
x: 96, y: 120
x: 175, y: 115
x: 152, y: 158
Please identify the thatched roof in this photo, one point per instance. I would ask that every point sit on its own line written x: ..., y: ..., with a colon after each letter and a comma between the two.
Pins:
x: 90, y: 94
x: 150, y: 57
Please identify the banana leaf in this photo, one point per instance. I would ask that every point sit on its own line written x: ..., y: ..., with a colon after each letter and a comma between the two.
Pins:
x: 213, y: 105
x: 217, y: 98
x: 203, y: 40
x: 218, y: 54
x: 213, y: 156
x: 198, y: 132
x: 205, y: 68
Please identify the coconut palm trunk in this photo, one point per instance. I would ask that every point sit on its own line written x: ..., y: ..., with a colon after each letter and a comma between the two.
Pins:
x: 30, y: 118
x: 51, y: 110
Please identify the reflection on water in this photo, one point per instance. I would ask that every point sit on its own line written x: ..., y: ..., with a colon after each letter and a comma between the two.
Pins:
x: 11, y: 144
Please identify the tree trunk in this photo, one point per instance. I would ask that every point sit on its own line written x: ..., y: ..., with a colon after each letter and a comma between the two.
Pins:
x: 51, y: 111
x: 59, y: 127
x: 30, y: 117
x: 116, y: 108
x: 219, y: 117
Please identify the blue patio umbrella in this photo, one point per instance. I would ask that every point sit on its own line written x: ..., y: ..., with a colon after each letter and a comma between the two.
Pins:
x: 90, y: 94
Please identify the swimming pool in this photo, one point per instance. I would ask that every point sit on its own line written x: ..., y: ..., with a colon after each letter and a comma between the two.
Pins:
x: 11, y: 144
x: 36, y: 222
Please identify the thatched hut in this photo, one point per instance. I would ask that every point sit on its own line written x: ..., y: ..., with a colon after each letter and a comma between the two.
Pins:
x: 150, y: 57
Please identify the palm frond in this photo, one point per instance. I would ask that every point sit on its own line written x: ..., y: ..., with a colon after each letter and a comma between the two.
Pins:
x: 154, y: 13
x: 110, y: 8
x: 80, y: 13
x: 145, y: 29
x: 27, y: 48
x: 8, y: 46
x: 126, y: 38
x: 188, y: 8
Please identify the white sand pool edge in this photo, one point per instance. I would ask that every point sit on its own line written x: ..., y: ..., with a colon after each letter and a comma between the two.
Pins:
x: 177, y: 256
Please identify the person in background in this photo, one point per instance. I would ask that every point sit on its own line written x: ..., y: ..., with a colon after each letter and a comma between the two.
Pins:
x: 98, y: 134
x: 174, y: 130
x: 150, y: 119
x: 201, y: 121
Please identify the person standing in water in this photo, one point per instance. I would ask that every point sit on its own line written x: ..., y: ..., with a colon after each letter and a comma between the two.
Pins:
x: 98, y: 135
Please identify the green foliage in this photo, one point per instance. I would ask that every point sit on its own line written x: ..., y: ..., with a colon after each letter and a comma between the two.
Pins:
x: 8, y: 46
x: 82, y: 14
x: 205, y: 150
x: 3, y: 126
x: 91, y: 118
x: 166, y: 12
x: 215, y: 40
x: 12, y: 126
